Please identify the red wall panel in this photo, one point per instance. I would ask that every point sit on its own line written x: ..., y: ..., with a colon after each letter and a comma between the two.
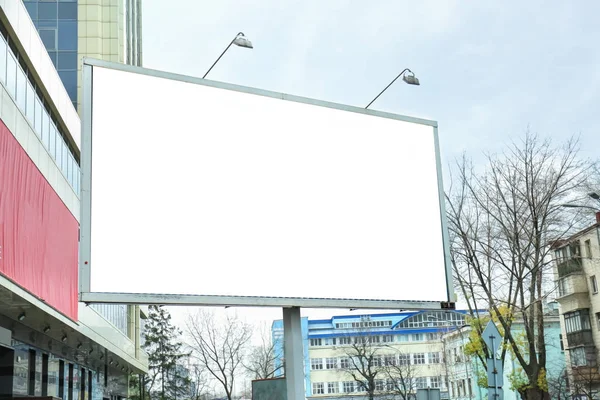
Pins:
x: 38, y: 233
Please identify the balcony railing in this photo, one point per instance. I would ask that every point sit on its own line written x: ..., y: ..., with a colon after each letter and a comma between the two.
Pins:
x: 569, y: 266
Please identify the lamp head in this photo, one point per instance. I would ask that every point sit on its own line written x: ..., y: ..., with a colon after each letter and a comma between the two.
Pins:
x: 241, y: 41
x: 411, y: 79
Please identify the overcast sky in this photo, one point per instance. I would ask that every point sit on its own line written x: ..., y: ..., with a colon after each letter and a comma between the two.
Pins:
x: 488, y: 69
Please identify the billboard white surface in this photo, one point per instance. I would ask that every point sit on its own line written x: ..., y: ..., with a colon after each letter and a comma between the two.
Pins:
x: 200, y: 189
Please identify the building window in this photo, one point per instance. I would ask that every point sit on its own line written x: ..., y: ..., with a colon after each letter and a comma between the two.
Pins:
x: 588, y: 248
x: 31, y: 103
x: 333, y: 387
x: 578, y: 358
x: 380, y: 385
x: 348, y: 386
x: 560, y: 337
x: 388, y: 338
x: 344, y: 363
x: 404, y: 359
x: 318, y: 388
x: 330, y: 363
x: 435, y: 382
x: 345, y: 340
x: 419, y: 358
x: 316, y: 363
x: 418, y: 337
x: 431, y: 336
x: 376, y: 361
x: 421, y: 382
x: 577, y: 321
x: 594, y: 284
x: 434, y: 358
x: 315, y: 342
x: 389, y: 360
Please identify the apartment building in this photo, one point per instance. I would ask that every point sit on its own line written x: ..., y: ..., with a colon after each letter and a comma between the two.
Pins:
x: 50, y: 344
x: 405, y: 343
x: 577, y: 271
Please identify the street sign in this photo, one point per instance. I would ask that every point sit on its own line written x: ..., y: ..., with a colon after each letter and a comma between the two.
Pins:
x: 491, y: 337
x: 495, y: 373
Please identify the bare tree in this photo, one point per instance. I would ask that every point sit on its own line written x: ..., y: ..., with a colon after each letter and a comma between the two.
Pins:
x: 401, y: 376
x: 364, y: 362
x: 501, y: 222
x: 261, y: 361
x: 219, y: 347
x: 200, y: 387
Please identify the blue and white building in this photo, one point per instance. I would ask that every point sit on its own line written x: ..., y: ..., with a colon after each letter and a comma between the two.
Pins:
x: 411, y: 338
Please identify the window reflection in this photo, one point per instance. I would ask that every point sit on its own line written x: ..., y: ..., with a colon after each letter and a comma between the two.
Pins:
x: 11, y: 74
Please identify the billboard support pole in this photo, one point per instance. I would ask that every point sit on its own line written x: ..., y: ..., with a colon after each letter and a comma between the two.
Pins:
x: 293, y: 353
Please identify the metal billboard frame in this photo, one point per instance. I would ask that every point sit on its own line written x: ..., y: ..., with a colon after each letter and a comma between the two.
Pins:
x: 87, y: 296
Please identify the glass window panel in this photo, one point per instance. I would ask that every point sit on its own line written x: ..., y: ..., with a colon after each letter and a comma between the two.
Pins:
x: 37, y: 125
x: 69, y: 80
x: 47, y: 11
x: 52, y: 55
x: 59, y: 149
x: 48, y: 37
x: 11, y: 74
x: 70, y: 169
x: 30, y: 108
x: 21, y: 89
x: 77, y: 178
x: 67, y: 60
x: 52, y: 140
x: 67, y: 10
x: 65, y: 158
x: 45, y: 128
x: 32, y: 9
x: 67, y: 35
x: 2, y: 60
x: 47, y: 23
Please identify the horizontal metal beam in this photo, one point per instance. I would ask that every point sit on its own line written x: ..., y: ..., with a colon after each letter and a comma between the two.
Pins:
x: 257, y: 301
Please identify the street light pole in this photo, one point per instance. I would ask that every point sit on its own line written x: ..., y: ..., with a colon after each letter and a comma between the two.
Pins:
x: 410, y: 79
x: 239, y: 40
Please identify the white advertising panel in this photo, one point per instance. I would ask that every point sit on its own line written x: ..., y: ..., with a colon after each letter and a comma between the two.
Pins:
x: 205, y: 188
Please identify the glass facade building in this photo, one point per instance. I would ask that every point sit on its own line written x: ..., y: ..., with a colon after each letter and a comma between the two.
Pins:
x: 56, y: 22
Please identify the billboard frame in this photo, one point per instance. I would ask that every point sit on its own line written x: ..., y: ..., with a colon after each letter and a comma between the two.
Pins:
x: 87, y: 296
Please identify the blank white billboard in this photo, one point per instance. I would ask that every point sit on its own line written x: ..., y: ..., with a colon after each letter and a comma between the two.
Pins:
x: 205, y: 188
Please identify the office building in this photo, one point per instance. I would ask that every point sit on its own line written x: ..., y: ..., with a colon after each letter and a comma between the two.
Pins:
x: 50, y: 344
x: 407, y: 343
x: 577, y: 270
x: 72, y: 29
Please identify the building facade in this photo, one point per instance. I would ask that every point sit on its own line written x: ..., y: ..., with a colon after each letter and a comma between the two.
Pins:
x: 406, y: 348
x: 73, y: 29
x: 50, y: 344
x: 104, y: 29
x: 577, y: 271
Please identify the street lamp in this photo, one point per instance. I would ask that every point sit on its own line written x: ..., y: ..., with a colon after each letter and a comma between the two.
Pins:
x: 240, y: 41
x: 579, y: 206
x: 411, y: 79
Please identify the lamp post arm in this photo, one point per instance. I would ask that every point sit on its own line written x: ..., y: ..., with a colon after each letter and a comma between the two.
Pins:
x: 224, y: 51
x: 390, y: 84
